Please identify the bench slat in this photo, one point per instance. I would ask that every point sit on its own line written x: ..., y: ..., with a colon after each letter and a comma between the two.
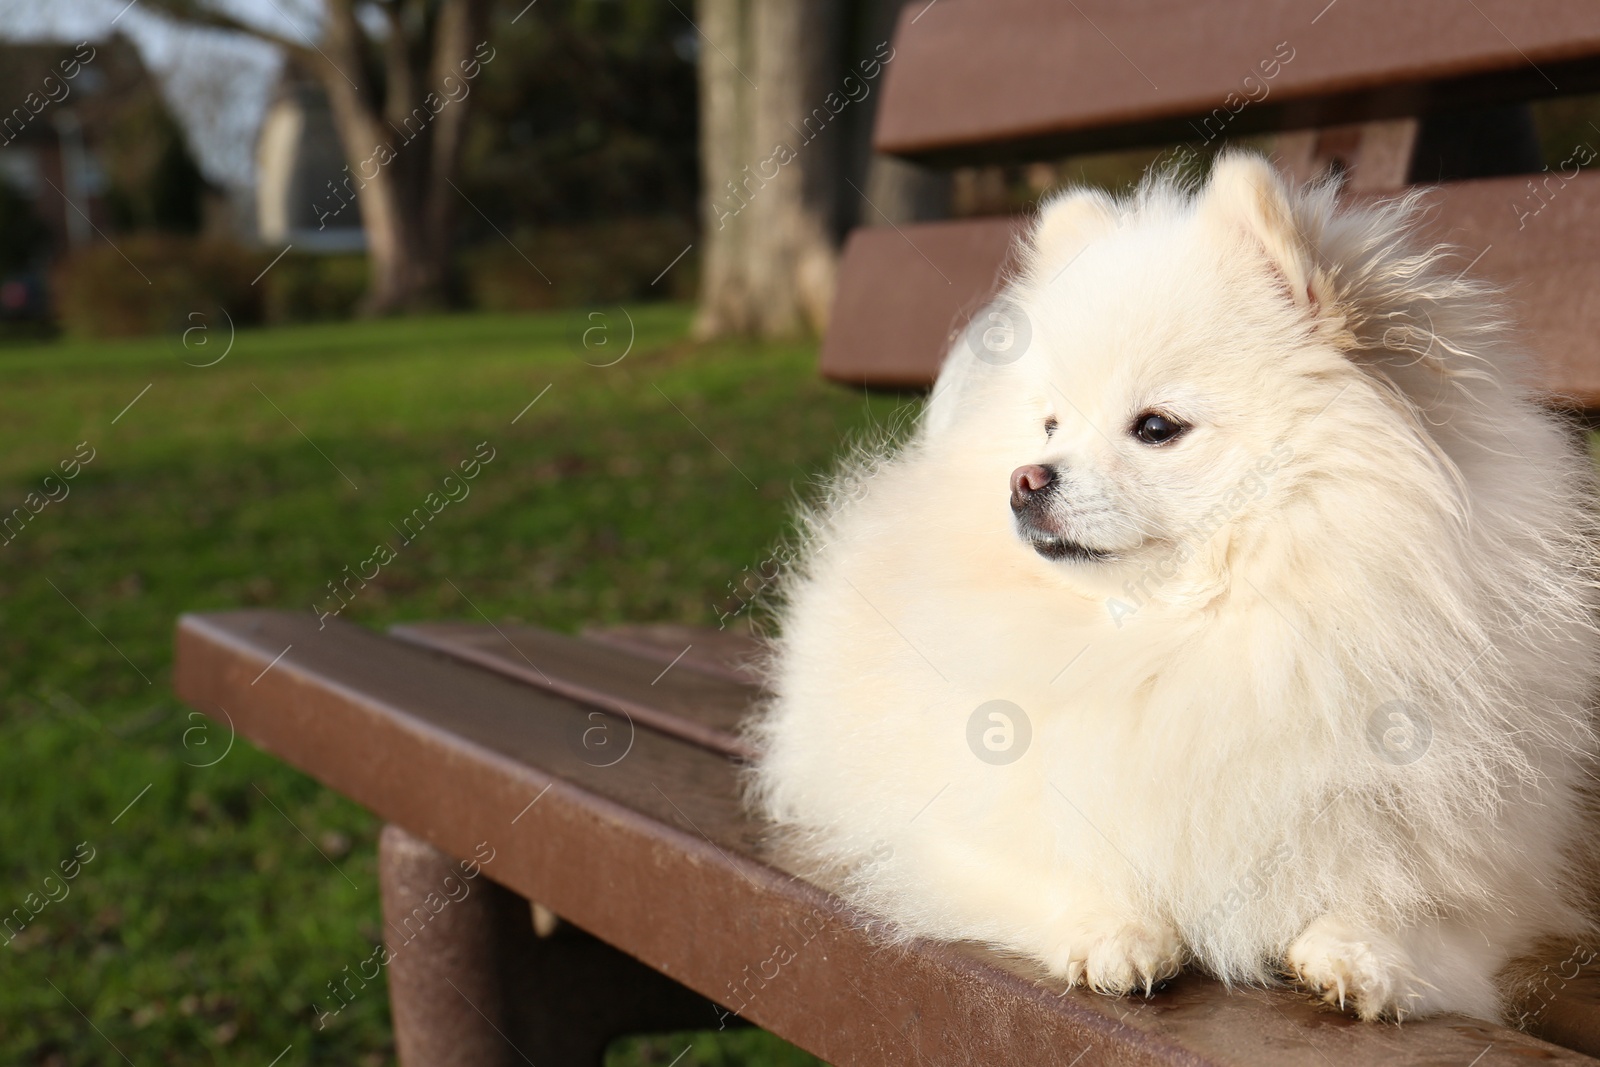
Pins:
x: 698, y: 706
x: 460, y: 755
x: 724, y: 653
x: 904, y: 294
x: 993, y: 80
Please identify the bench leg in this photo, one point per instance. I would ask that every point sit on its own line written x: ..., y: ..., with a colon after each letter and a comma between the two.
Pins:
x: 472, y: 983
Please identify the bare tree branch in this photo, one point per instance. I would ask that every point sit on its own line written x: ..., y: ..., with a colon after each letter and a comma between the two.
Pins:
x: 202, y: 15
x: 400, y: 123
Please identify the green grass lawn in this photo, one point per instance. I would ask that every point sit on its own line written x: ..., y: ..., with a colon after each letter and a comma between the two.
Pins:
x: 205, y: 926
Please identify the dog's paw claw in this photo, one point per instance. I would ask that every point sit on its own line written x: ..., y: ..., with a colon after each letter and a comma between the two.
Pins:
x: 1118, y: 958
x: 1367, y: 975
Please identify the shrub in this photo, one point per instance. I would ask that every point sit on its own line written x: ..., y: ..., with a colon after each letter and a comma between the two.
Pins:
x: 594, y: 264
x: 22, y: 232
x: 307, y: 288
x: 152, y: 283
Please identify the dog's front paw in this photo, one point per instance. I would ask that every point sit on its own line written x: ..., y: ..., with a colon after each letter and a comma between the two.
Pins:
x: 1358, y: 971
x: 1116, y: 956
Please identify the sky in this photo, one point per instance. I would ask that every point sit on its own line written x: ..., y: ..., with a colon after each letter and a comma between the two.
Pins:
x: 218, y: 84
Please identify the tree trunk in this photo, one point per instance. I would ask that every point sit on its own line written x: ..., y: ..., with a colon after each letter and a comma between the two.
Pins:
x: 891, y: 190
x: 403, y: 154
x: 402, y: 146
x: 726, y: 137
x: 770, y: 149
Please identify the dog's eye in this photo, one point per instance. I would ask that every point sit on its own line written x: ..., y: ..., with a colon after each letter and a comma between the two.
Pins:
x: 1154, y: 428
x: 1050, y: 425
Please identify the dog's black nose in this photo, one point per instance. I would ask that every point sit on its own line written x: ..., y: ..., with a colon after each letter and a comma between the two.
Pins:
x: 1027, y: 482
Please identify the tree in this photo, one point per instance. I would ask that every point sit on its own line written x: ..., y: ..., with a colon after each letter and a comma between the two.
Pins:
x: 788, y: 92
x: 400, y: 98
x: 769, y: 177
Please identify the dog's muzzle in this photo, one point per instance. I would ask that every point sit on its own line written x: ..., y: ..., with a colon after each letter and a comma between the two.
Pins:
x: 1033, y: 488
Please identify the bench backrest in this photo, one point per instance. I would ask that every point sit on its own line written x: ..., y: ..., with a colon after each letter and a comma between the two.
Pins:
x: 986, y: 81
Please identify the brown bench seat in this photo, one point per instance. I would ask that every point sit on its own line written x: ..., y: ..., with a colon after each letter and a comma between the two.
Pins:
x: 467, y: 748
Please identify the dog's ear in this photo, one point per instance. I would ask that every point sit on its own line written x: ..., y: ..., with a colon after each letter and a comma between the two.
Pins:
x: 1247, y: 196
x: 1067, y: 223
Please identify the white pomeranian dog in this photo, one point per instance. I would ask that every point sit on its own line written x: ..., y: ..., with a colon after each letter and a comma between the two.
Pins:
x: 1232, y: 604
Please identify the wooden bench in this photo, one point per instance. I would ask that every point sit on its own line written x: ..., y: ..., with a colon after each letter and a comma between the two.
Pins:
x: 599, y: 776
x: 1016, y: 80
x: 471, y: 741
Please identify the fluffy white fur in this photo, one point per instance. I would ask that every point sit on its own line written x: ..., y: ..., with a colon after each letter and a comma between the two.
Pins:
x: 1368, y: 507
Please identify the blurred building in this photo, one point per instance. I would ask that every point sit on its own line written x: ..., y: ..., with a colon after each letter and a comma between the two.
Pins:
x: 52, y: 179
x: 300, y: 197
